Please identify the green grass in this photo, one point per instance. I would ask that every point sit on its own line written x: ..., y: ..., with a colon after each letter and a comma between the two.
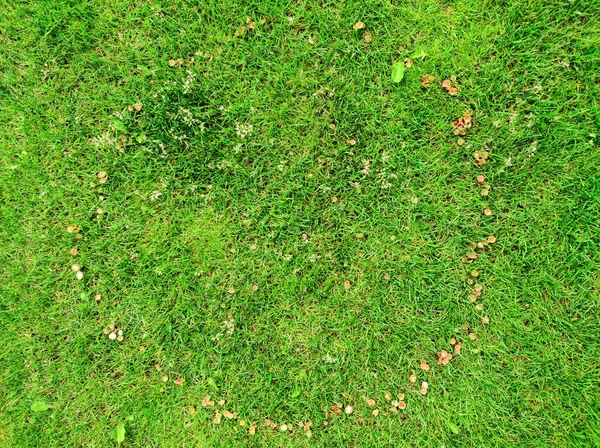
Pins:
x: 191, y: 209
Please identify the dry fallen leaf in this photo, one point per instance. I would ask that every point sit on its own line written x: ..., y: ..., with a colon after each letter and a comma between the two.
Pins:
x: 402, y: 405
x: 412, y: 378
x: 375, y: 412
x: 460, y: 141
x: 206, y: 401
x: 172, y: 62
x: 453, y: 78
x: 101, y: 174
x: 472, y: 336
x: 485, y: 320
x: 252, y: 429
x: 393, y: 410
x: 400, y: 396
x: 79, y: 275
x: 475, y: 273
x: 231, y: 290
x: 423, y: 391
x: 358, y: 26
x: 408, y: 63
x: 352, y: 142
x: 73, y: 228
x: 452, y: 90
x: 368, y: 37
x: 178, y: 381
x: 427, y: 80
x: 229, y: 415
x: 73, y: 251
x: 485, y: 192
x: 349, y: 410
x: 465, y: 327
x: 386, y: 276
x: 347, y: 284
x: 254, y: 287
x: 446, y: 84
x: 217, y: 418
x: 491, y: 239
x: 481, y: 178
x: 370, y: 402
x: 487, y: 212
x: 424, y: 366
x: 479, y: 307
x: 165, y: 378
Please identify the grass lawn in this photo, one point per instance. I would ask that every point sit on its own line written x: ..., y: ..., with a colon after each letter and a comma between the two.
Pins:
x: 223, y: 224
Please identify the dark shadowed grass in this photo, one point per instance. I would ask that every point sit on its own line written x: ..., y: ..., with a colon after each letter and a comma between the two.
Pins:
x: 231, y: 199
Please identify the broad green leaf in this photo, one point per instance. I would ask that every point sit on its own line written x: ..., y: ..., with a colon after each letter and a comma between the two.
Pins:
x: 211, y: 382
x: 39, y: 406
x: 121, y: 433
x: 296, y: 393
x: 398, y: 71
x: 141, y: 138
x: 452, y: 427
x: 119, y: 125
x: 419, y: 54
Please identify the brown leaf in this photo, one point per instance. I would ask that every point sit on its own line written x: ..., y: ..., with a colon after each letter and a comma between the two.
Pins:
x: 206, y: 401
x: 481, y: 178
x: 487, y: 212
x: 347, y: 284
x: 460, y: 141
x: 402, y: 405
x: 358, y: 26
x: 472, y: 336
x: 229, y: 415
x: 453, y: 78
x: 217, y: 418
x: 408, y: 63
x: 424, y: 366
x: 446, y: 84
x: 231, y: 290
x: 491, y: 239
x: 252, y: 429
x: 368, y: 37
x: 452, y: 90
x: 73, y: 251
x: 178, y: 381
x: 485, y: 320
x: 370, y: 402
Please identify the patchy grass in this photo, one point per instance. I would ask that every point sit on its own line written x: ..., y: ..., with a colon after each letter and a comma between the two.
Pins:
x: 285, y: 229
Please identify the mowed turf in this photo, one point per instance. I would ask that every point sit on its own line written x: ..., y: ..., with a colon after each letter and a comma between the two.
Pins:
x: 279, y: 226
